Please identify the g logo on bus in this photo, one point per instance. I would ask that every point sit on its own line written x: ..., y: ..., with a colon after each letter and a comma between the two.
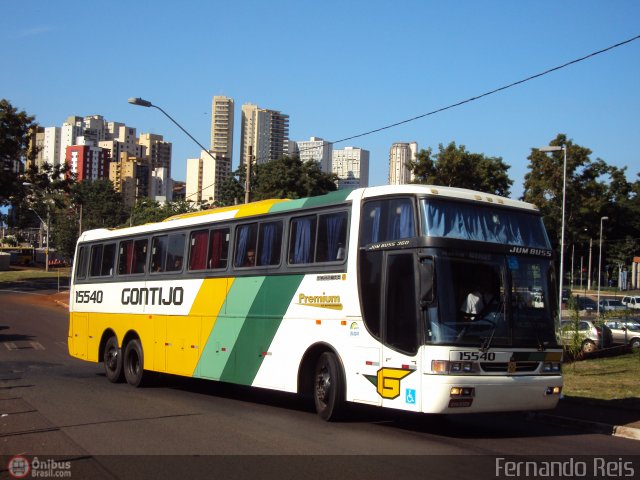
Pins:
x: 387, y: 381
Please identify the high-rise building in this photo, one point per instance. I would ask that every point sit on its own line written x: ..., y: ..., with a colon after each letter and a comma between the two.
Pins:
x: 36, y: 144
x: 351, y: 165
x: 51, y: 147
x: 204, y: 178
x: 130, y: 177
x: 315, y: 149
x: 158, y: 151
x: 264, y: 135
x: 222, y: 127
x: 400, y: 155
x: 88, y: 162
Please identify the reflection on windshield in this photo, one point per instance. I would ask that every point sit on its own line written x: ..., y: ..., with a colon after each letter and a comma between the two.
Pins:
x: 492, y: 300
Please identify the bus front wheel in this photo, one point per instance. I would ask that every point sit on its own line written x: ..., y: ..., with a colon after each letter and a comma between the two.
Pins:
x: 133, y: 363
x: 113, y: 361
x: 328, y: 388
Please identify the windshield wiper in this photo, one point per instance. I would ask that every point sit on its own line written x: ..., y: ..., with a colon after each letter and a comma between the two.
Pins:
x: 486, y: 342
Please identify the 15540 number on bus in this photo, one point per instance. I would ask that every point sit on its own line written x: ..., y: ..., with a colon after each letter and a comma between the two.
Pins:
x: 89, y: 296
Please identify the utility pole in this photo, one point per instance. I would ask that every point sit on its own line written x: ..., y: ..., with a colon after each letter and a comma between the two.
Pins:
x: 247, y: 181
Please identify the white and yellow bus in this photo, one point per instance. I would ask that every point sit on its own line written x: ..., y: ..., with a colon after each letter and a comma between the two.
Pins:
x: 412, y: 297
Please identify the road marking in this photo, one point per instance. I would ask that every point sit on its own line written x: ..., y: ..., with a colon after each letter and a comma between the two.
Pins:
x: 10, y: 346
x: 32, y: 345
x: 37, y: 346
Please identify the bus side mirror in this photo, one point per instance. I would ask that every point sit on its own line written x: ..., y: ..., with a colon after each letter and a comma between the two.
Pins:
x: 426, y: 281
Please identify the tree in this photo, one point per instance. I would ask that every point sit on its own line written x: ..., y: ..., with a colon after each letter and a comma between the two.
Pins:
x: 287, y: 177
x: 148, y: 211
x: 15, y: 128
x: 593, y: 190
x: 456, y: 167
x: 91, y: 204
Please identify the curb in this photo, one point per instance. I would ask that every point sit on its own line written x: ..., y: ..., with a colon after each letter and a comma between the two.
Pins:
x: 622, y: 431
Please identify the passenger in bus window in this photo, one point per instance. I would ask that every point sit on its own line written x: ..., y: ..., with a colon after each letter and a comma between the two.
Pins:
x: 250, y: 259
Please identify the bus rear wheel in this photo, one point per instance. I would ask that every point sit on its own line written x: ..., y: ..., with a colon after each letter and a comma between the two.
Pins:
x: 134, y: 363
x: 112, y: 359
x: 328, y: 387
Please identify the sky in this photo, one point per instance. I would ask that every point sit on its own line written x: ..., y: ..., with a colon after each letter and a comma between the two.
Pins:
x: 338, y: 69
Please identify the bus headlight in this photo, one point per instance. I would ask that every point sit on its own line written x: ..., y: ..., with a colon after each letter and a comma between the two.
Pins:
x: 445, y: 367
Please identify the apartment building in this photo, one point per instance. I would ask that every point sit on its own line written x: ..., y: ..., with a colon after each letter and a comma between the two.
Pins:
x: 351, y: 165
x: 314, y: 149
x: 400, y: 156
x: 264, y: 134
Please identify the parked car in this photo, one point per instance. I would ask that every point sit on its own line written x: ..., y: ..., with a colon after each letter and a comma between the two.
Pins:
x: 611, y: 304
x: 566, y: 294
x: 583, y: 303
x: 625, y: 332
x: 631, y: 302
x: 589, y: 335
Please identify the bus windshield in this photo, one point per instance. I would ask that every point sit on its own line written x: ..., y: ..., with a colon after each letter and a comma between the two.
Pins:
x: 491, y: 300
x: 482, y: 223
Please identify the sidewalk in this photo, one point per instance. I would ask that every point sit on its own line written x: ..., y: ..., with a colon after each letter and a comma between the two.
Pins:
x: 618, y: 421
x: 572, y: 412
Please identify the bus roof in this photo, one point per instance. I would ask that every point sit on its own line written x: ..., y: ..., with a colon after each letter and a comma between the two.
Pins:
x: 283, y: 205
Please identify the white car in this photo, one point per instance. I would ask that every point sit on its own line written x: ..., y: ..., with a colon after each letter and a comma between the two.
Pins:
x: 632, y: 302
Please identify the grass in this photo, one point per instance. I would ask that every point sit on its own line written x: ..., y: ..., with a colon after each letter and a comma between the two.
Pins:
x: 21, y: 275
x: 605, y: 379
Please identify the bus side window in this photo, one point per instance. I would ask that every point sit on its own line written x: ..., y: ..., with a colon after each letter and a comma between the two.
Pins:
x: 245, y: 255
x: 387, y: 220
x: 81, y: 263
x: 218, y: 248
x: 124, y: 257
x: 302, y: 240
x: 269, y: 243
x: 175, y: 252
x: 108, y: 260
x: 332, y: 237
x: 158, y: 253
x: 139, y: 260
x: 198, y: 250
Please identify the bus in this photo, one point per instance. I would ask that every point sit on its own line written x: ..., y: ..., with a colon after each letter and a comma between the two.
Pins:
x: 417, y: 298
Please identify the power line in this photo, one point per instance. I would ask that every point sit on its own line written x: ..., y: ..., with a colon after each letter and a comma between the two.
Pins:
x: 471, y: 99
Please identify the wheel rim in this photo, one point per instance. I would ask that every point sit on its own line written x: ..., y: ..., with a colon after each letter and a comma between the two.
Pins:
x: 111, y: 358
x: 589, y: 347
x: 323, y: 384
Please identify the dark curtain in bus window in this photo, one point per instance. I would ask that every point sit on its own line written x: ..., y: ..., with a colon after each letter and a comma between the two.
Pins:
x: 158, y: 253
x: 246, y: 246
x: 371, y: 223
x: 269, y: 242
x: 402, y: 224
x: 81, y: 268
x: 96, y: 260
x: 401, y: 326
x: 218, y: 248
x: 175, y: 252
x: 302, y: 245
x: 124, y: 257
x: 139, y: 260
x: 108, y: 259
x: 332, y: 235
x: 198, y: 252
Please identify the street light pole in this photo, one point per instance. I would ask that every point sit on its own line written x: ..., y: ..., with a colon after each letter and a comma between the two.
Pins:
x: 146, y: 103
x: 557, y: 148
x: 47, y: 226
x: 602, y: 219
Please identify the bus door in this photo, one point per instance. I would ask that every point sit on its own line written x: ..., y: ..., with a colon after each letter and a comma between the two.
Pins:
x: 399, y: 379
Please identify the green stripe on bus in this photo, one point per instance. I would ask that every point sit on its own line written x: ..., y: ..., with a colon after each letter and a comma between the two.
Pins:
x: 338, y: 196
x: 218, y: 351
x: 260, y: 327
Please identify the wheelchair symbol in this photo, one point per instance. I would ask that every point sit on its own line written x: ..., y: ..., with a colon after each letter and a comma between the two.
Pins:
x: 410, y: 396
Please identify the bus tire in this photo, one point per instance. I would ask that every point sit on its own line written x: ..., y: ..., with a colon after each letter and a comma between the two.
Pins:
x: 112, y: 359
x: 134, y: 363
x: 328, y: 387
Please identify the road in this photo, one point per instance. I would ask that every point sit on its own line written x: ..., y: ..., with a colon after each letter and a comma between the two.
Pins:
x: 60, y: 407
